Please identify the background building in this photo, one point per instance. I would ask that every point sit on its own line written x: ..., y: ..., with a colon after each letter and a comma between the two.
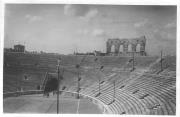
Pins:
x: 19, y: 48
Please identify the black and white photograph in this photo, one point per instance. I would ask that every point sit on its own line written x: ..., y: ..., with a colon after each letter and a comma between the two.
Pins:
x: 76, y: 58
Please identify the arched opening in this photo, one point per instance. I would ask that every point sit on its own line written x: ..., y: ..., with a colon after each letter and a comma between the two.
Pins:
x: 113, y: 48
x: 130, y: 48
x: 121, y: 48
x: 51, y: 85
x: 138, y: 48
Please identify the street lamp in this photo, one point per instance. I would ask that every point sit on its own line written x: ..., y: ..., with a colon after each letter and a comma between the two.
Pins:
x: 101, y: 68
x: 114, y: 93
x: 133, y: 63
x: 58, y: 67
x: 78, y: 79
x: 161, y: 61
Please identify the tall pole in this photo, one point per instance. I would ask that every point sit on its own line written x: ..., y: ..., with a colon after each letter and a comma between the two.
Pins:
x: 99, y: 86
x: 78, y: 84
x: 161, y: 61
x: 58, y: 86
x: 17, y: 86
x: 133, y: 61
x: 114, y: 91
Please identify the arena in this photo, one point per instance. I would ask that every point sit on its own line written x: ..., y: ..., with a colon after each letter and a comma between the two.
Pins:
x: 113, y: 59
x: 109, y: 83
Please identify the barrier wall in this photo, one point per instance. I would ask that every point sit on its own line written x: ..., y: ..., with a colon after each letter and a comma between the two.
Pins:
x: 101, y: 105
x: 18, y: 93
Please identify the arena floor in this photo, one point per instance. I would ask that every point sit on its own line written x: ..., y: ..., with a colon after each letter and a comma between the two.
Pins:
x: 40, y: 104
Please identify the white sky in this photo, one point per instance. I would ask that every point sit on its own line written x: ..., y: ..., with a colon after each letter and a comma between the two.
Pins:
x: 64, y: 28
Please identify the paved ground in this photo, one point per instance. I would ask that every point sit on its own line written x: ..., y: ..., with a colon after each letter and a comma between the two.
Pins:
x: 40, y: 104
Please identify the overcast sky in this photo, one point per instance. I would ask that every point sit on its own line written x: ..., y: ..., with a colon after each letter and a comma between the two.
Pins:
x: 65, y: 28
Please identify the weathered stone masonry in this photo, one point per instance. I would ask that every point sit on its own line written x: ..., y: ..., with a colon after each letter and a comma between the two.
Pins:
x: 132, y: 43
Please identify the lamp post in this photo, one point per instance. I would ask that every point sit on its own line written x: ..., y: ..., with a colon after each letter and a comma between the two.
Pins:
x: 58, y: 66
x: 114, y: 91
x: 78, y: 80
x: 99, y: 79
x: 161, y: 61
x: 99, y: 86
x: 133, y: 63
x: 78, y: 66
x: 101, y: 68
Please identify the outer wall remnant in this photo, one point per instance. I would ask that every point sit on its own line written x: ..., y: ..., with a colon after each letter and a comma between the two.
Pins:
x: 126, y: 43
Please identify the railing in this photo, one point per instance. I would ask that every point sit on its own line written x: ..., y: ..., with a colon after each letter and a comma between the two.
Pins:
x: 18, y: 93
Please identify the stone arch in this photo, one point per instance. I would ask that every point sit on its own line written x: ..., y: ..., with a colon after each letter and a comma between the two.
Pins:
x: 133, y: 47
x: 113, y: 49
x: 108, y: 46
x: 113, y: 46
x: 142, y: 47
x: 138, y: 46
x: 130, y: 47
x: 125, y: 45
x: 121, y: 48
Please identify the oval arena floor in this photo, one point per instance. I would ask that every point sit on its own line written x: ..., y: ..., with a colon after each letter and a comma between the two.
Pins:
x: 41, y: 104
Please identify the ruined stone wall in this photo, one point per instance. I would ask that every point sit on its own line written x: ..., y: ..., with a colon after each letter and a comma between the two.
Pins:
x: 132, y: 43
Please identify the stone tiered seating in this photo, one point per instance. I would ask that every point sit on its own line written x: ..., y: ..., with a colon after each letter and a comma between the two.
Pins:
x: 136, y: 92
x: 156, y: 89
x: 168, y: 64
x: 125, y: 98
x: 158, y: 99
x: 108, y: 87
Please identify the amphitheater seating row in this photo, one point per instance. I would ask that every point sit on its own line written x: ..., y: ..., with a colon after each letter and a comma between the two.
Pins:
x: 151, y: 102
